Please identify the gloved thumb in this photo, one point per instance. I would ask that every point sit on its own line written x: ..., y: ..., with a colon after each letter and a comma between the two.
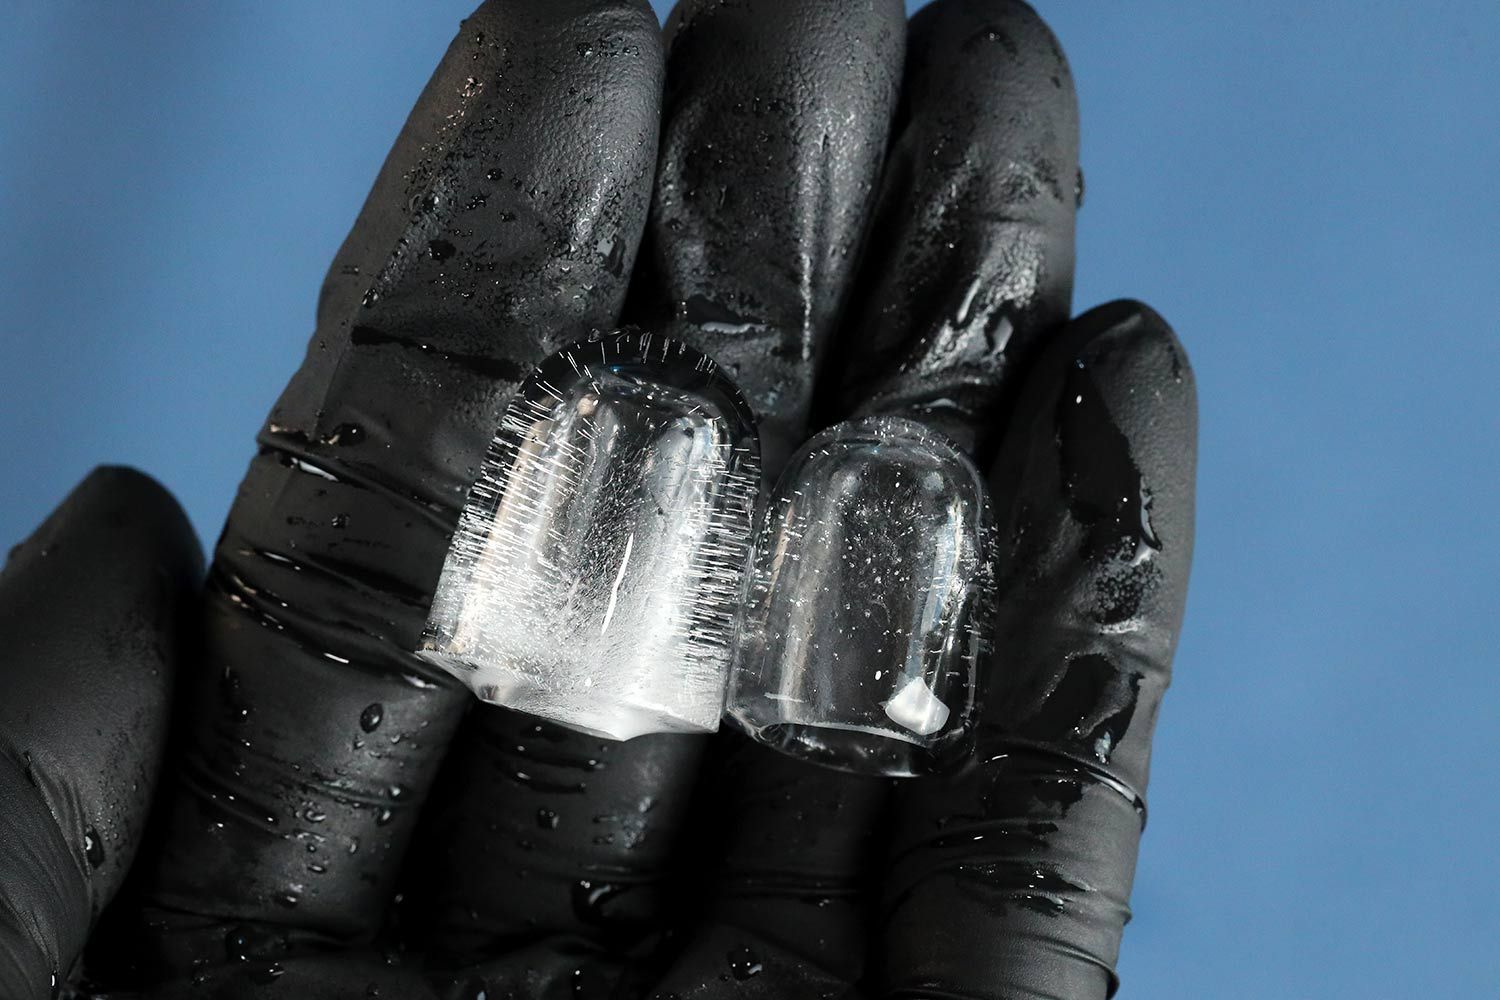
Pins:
x: 92, y: 607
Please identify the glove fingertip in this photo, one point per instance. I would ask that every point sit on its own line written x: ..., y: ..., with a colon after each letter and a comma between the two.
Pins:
x: 90, y: 612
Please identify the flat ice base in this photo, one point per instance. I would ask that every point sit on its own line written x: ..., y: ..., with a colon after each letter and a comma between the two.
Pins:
x: 617, y: 720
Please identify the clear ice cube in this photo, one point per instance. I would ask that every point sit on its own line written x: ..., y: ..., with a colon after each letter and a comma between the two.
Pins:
x: 595, y: 576
x: 868, y: 607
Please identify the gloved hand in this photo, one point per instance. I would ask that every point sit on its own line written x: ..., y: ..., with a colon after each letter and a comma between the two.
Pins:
x: 851, y: 214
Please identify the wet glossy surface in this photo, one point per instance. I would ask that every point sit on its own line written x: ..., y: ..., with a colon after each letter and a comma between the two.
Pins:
x: 863, y: 626
x: 595, y: 573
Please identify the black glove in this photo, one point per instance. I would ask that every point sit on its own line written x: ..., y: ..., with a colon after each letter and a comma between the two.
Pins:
x: 852, y: 215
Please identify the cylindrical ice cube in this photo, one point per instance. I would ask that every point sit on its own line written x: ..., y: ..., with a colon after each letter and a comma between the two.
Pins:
x: 866, y: 614
x: 595, y: 575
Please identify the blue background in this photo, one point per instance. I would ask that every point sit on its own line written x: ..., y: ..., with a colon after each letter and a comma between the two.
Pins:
x: 1310, y: 195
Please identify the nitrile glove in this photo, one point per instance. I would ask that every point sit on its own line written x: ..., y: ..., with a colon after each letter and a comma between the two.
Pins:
x: 853, y: 215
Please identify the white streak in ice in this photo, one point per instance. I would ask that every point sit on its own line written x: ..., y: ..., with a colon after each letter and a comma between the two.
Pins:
x: 614, y: 592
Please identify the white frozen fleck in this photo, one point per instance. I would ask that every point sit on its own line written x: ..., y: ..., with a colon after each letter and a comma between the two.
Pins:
x: 916, y: 708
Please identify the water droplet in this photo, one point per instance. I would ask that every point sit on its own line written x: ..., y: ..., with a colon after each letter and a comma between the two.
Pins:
x: 1147, y: 542
x: 93, y: 847
x: 229, y: 686
x: 546, y: 819
x: 237, y: 944
x: 743, y: 964
x: 418, y: 682
x: 344, y: 435
x: 590, y: 899
x: 267, y: 974
x: 369, y: 719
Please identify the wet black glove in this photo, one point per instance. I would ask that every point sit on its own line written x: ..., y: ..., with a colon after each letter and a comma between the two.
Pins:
x: 853, y: 215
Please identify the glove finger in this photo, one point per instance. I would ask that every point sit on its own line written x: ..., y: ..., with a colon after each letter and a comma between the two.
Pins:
x: 501, y: 226
x: 971, y: 252
x: 790, y: 851
x: 1012, y: 879
x: 777, y: 122
x: 542, y: 836
x: 545, y: 839
x: 92, y: 610
x: 776, y: 117
x: 946, y: 223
